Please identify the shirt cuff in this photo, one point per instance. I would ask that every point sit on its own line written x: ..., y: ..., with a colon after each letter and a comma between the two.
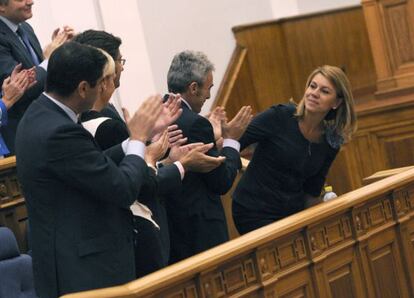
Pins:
x: 44, y: 64
x: 3, y: 113
x: 134, y: 147
x: 180, y: 168
x: 231, y: 143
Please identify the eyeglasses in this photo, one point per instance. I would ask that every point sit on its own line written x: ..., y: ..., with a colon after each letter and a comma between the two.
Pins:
x: 121, y: 60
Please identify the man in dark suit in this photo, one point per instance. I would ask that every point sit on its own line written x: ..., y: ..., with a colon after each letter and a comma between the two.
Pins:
x: 152, y: 244
x: 77, y: 196
x: 19, y: 44
x: 196, y: 216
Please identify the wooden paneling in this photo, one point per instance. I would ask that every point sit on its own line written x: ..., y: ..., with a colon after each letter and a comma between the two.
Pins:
x: 335, y: 39
x: 359, y: 245
x: 391, y: 32
x: 384, y: 141
x: 279, y: 55
x: 13, y: 213
x: 271, y: 63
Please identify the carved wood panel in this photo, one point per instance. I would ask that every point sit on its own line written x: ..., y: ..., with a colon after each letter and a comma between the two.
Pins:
x: 398, y: 21
x: 282, y: 255
x: 233, y: 277
x: 396, y: 144
x: 339, y: 275
x: 295, y: 285
x: 328, y: 235
x: 383, y: 265
x: 404, y: 210
x: 382, y: 143
x: 9, y: 187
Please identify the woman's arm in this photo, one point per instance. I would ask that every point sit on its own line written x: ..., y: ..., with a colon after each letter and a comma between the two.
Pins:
x: 260, y: 127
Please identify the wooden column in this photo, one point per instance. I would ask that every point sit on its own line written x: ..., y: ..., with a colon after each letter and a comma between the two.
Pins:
x: 390, y: 25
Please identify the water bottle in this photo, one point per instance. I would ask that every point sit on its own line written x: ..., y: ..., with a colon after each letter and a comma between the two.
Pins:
x: 329, y: 194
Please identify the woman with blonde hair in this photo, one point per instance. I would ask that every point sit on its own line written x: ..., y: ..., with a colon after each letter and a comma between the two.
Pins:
x: 296, y: 146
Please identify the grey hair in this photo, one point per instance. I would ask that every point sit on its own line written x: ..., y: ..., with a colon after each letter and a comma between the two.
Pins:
x: 187, y: 67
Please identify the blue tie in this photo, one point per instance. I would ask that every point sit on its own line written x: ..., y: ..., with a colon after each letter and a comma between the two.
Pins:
x: 28, y: 46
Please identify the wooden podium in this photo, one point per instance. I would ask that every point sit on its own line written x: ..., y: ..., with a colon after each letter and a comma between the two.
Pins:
x: 390, y: 25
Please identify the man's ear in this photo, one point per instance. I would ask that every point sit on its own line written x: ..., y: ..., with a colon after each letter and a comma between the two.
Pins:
x: 83, y: 88
x: 193, y: 88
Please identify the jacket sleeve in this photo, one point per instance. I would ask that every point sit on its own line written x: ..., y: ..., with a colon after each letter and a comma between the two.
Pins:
x: 169, y: 180
x: 219, y: 180
x: 77, y: 161
x: 259, y: 128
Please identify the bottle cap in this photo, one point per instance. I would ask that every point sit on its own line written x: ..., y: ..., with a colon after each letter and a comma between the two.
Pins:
x: 328, y: 188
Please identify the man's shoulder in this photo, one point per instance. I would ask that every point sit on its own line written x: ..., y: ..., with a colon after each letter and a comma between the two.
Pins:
x: 188, y: 117
x: 44, y: 114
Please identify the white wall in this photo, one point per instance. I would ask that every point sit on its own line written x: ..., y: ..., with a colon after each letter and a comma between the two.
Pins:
x: 173, y: 26
x: 137, y: 81
x: 307, y: 6
x: 283, y: 8
x: 51, y: 14
x: 153, y: 31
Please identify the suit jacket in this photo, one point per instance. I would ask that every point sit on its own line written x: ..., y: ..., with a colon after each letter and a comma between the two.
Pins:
x: 13, y: 52
x: 78, y: 200
x: 152, y: 246
x: 113, y: 131
x: 111, y: 112
x: 196, y: 214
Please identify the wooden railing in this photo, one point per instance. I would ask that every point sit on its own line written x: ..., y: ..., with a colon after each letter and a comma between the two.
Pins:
x: 359, y: 245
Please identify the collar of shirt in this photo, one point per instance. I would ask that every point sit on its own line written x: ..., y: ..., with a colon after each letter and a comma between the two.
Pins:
x: 71, y: 114
x: 13, y: 27
x: 186, y: 103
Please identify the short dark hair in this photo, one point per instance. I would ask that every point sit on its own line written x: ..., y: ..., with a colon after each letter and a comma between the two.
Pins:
x: 71, y: 64
x: 4, y: 2
x: 100, y: 39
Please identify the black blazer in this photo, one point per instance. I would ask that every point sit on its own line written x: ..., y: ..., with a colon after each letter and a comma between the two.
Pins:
x: 196, y: 214
x: 111, y: 112
x: 114, y: 131
x: 13, y: 52
x: 152, y: 247
x: 78, y: 200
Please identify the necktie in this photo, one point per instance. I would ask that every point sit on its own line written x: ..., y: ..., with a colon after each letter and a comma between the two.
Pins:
x: 28, y: 46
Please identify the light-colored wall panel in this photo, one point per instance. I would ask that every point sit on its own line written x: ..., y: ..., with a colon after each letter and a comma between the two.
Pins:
x: 125, y: 21
x: 173, y: 26
x: 306, y: 6
x: 283, y: 8
x: 50, y: 14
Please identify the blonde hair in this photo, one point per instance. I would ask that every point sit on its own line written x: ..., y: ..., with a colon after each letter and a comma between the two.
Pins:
x: 109, y: 68
x: 344, y: 120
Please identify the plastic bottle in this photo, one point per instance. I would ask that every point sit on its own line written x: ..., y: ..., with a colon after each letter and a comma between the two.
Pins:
x: 329, y: 194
